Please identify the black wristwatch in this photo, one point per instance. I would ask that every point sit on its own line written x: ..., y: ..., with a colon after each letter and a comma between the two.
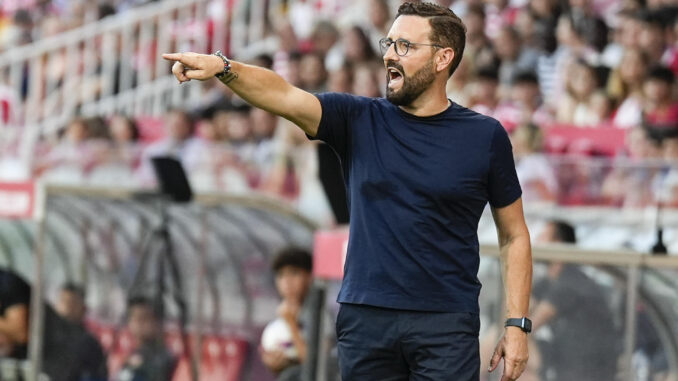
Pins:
x: 227, y: 65
x: 523, y: 323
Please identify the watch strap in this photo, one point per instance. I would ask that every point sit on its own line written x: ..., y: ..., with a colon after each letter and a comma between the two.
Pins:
x: 523, y: 323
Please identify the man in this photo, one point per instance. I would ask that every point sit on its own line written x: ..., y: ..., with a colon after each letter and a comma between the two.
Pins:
x: 150, y: 361
x: 292, y: 268
x: 419, y: 171
x: 71, y: 307
x: 15, y: 298
x: 585, y: 344
x: 63, y: 342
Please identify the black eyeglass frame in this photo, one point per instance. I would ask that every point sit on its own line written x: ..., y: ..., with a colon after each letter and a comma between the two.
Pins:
x: 385, y: 43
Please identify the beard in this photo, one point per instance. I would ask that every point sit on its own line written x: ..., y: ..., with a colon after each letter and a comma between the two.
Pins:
x: 413, y: 86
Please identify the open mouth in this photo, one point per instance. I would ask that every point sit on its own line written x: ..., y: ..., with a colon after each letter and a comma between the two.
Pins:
x: 394, y: 76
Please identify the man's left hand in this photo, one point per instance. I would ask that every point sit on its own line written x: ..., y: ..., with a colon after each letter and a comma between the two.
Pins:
x: 513, y: 348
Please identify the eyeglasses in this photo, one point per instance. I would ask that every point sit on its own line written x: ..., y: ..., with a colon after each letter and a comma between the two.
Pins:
x: 402, y: 46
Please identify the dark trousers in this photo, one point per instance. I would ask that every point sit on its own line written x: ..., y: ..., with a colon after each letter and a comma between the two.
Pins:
x: 393, y: 345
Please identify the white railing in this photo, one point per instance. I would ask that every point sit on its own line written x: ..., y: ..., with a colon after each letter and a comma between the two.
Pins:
x: 114, y: 66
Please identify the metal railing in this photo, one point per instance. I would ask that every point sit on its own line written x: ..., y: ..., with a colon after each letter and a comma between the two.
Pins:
x: 114, y: 65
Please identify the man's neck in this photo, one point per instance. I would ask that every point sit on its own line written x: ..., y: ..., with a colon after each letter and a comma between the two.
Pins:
x: 429, y: 103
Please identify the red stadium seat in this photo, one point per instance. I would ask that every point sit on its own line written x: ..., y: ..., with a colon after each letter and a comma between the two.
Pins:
x: 603, y: 140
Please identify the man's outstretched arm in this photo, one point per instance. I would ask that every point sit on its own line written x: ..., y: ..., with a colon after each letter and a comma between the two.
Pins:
x: 259, y: 87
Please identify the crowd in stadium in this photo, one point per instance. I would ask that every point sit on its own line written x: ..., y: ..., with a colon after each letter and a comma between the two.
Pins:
x: 550, y: 71
x: 534, y: 65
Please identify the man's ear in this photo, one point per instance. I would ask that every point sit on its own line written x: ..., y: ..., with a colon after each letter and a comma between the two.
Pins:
x: 444, y: 60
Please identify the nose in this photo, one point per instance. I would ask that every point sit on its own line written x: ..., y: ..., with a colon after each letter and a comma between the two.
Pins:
x: 390, y: 54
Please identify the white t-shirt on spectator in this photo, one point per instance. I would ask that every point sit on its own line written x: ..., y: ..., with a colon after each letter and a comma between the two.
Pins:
x: 533, y: 169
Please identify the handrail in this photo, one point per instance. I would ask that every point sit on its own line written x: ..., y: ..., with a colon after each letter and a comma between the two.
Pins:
x: 571, y: 254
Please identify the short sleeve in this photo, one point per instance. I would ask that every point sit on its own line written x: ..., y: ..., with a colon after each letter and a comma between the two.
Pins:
x: 338, y: 112
x: 503, y: 184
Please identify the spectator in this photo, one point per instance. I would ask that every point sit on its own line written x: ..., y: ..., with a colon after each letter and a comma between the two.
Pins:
x: 380, y: 20
x: 628, y: 184
x: 325, y: 40
x: 653, y: 39
x: 312, y: 72
x: 577, y: 108
x: 341, y: 80
x: 63, y: 342
x: 179, y: 127
x: 513, y: 58
x: 263, y: 129
x: 357, y: 47
x: 365, y: 82
x: 71, y: 306
x: 150, y: 360
x: 15, y: 297
x: 667, y: 186
x: 525, y: 103
x: 660, y: 107
x: 585, y: 344
x: 625, y: 85
x: 484, y: 96
x: 536, y: 175
x: 478, y: 48
x: 123, y: 130
x: 292, y: 268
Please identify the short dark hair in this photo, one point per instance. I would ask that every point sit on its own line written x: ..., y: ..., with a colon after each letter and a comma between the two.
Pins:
x: 75, y: 289
x: 564, y: 232
x: 293, y: 256
x: 488, y: 73
x: 447, y: 29
x: 661, y: 73
x: 526, y: 78
x: 142, y: 302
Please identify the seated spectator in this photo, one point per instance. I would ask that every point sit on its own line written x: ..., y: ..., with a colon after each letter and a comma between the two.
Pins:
x: 365, y: 82
x: 341, y: 79
x: 357, y: 47
x: 312, y: 73
x: 625, y: 85
x: 667, y: 182
x: 513, y: 58
x: 325, y: 39
x: 585, y: 344
x: 380, y: 22
x: 71, y: 306
x: 179, y: 128
x: 292, y: 268
x: 524, y: 105
x: 150, y: 360
x: 660, y: 108
x: 536, y: 175
x: 125, y: 148
x: 628, y: 184
x: 484, y: 96
x: 577, y: 106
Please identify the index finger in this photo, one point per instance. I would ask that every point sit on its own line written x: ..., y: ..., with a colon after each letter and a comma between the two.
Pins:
x: 172, y: 56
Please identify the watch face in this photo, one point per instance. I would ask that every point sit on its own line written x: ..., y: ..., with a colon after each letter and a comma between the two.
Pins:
x: 527, y: 325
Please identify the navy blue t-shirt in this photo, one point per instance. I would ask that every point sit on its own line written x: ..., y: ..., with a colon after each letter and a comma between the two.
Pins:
x: 416, y: 187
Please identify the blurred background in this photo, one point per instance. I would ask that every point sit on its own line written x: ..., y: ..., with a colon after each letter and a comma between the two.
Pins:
x: 585, y: 88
